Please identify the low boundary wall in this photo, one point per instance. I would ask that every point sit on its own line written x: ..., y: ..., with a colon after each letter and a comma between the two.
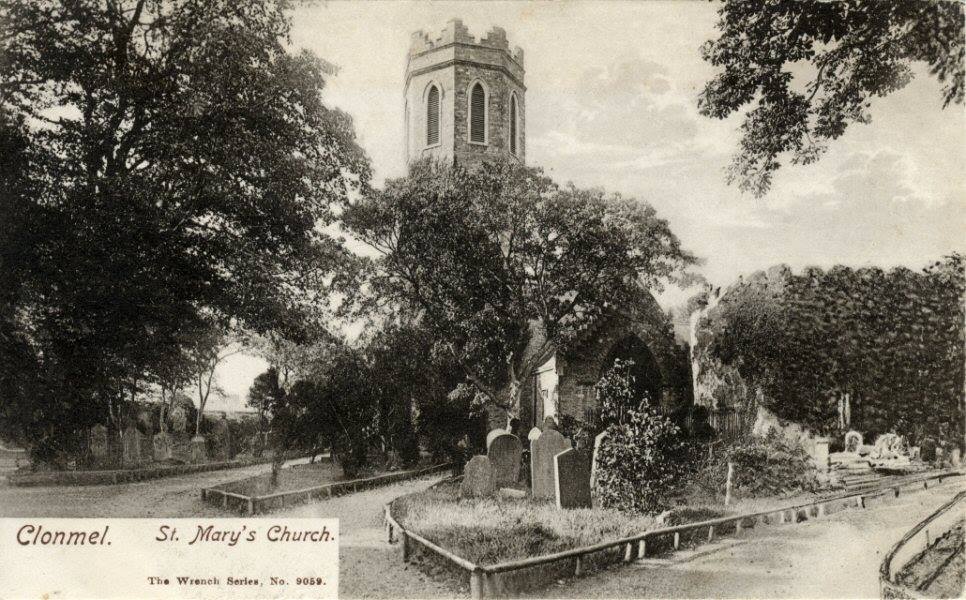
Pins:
x: 251, y: 505
x: 487, y: 581
x: 124, y: 475
x: 915, y: 542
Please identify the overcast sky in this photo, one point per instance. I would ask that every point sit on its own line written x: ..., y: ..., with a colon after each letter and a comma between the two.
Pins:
x: 611, y: 101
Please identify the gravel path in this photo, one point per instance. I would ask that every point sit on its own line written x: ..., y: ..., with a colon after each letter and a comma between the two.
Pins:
x: 368, y: 566
x: 837, y: 556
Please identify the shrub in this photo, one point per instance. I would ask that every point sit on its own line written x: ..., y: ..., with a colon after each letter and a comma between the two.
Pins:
x: 639, y: 458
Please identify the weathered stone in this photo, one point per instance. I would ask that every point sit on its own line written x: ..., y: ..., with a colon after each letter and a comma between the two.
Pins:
x: 162, y: 446
x: 549, y: 423
x: 572, y: 479
x: 493, y: 435
x: 542, y: 450
x: 853, y: 441
x: 478, y: 478
x: 131, y: 446
x: 99, y: 446
x: 820, y: 453
x: 199, y: 453
x: 955, y: 457
x: 598, y: 440
x: 534, y: 434
x: 178, y: 419
x: 504, y: 452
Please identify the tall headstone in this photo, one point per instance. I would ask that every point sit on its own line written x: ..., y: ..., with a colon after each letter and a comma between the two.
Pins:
x: 542, y: 450
x: 572, y: 479
x: 598, y: 440
x: 478, y: 478
x: 504, y: 452
x: 99, y: 446
x: 853, y: 441
x: 494, y: 433
x: 162, y: 446
x: 131, y: 446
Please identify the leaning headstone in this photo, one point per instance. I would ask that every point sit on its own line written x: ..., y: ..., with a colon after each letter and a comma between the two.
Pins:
x: 504, y: 452
x: 572, y: 479
x: 478, y: 478
x: 131, y: 446
x: 162, y: 446
x: 593, y: 457
x: 493, y: 435
x: 542, y: 450
x: 853, y: 441
x: 534, y: 434
x: 99, y: 446
x: 199, y: 453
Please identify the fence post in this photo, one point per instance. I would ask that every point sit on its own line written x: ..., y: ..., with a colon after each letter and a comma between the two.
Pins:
x: 628, y: 551
x: 677, y: 540
x: 405, y: 546
x: 642, y: 549
x: 251, y: 506
x: 738, y: 527
x: 579, y: 566
x: 476, y: 585
x: 710, y: 532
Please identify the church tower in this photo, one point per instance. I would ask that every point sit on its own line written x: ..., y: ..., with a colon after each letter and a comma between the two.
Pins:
x: 464, y: 98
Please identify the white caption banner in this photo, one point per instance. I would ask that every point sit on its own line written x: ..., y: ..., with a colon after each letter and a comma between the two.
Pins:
x: 169, y: 558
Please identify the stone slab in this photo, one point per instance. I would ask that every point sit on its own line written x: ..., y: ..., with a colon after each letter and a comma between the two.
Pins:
x: 542, y: 453
x: 572, y: 479
x: 478, y: 478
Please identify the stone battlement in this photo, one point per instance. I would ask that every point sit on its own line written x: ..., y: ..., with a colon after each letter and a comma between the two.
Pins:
x: 457, y: 33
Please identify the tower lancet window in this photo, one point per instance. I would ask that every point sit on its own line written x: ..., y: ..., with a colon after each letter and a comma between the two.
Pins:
x: 432, y: 116
x: 478, y: 114
x: 513, y: 124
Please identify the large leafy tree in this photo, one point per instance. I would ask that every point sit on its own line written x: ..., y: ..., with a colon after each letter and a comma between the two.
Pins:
x: 845, y: 52
x: 178, y: 161
x: 499, y: 258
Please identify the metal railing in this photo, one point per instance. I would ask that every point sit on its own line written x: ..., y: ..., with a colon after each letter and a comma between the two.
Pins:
x: 914, y: 543
x: 483, y: 578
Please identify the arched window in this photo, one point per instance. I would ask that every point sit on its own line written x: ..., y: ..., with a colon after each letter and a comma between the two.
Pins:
x: 432, y: 116
x: 513, y: 124
x: 478, y: 114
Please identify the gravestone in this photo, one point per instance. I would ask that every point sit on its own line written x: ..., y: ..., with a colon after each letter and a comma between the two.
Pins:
x: 131, y: 446
x: 220, y: 439
x: 593, y: 457
x: 955, y: 457
x: 572, y: 479
x: 99, y: 446
x: 534, y: 434
x: 542, y: 450
x: 493, y: 435
x: 199, y: 453
x: 853, y: 441
x: 478, y: 478
x: 820, y: 454
x: 504, y: 452
x: 162, y: 446
x: 178, y: 419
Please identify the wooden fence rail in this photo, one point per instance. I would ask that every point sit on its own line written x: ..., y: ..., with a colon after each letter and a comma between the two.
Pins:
x: 636, y: 546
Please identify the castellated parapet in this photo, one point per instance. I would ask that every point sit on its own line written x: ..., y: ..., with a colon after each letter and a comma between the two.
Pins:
x: 453, y: 63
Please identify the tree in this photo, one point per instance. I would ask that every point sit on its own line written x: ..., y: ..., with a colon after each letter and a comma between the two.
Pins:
x: 270, y: 399
x: 177, y: 163
x: 849, y: 50
x: 498, y: 258
x: 208, y: 349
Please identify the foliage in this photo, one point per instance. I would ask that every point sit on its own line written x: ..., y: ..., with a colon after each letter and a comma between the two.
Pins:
x: 893, y: 341
x: 174, y: 162
x: 452, y: 425
x: 640, y: 456
x: 849, y: 51
x: 491, y: 255
x: 767, y: 466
